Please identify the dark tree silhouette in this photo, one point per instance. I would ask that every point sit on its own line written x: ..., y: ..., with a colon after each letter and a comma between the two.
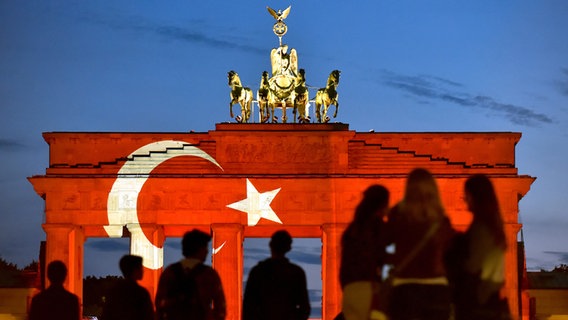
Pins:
x: 9, y: 274
x: 13, y: 277
x: 561, y: 268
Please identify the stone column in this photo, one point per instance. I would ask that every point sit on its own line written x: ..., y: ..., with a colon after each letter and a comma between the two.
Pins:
x: 149, y: 245
x: 227, y: 257
x: 511, y: 268
x: 331, y: 258
x: 65, y: 242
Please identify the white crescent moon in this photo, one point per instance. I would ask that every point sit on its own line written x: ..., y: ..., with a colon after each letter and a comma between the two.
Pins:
x: 123, y: 196
x: 215, y: 250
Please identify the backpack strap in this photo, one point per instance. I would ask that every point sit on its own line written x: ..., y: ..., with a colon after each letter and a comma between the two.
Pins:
x: 410, y: 256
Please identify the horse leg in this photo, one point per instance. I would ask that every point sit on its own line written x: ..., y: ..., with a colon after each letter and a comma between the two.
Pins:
x: 266, y: 111
x: 244, y: 111
x: 303, y: 111
x: 248, y: 110
x: 318, y: 115
x: 284, y: 117
x: 336, y: 108
x: 273, y: 117
x: 325, y: 117
x: 294, y: 111
x: 261, y: 111
x: 304, y: 117
x: 231, y: 109
x: 243, y: 114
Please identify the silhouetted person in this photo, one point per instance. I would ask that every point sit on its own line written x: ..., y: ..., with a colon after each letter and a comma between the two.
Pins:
x: 127, y: 300
x: 477, y: 259
x: 189, y: 289
x: 276, y: 289
x: 363, y: 253
x: 419, y: 228
x: 55, y: 302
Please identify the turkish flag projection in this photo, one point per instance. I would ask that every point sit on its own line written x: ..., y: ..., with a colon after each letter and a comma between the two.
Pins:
x: 224, y: 198
x: 193, y: 190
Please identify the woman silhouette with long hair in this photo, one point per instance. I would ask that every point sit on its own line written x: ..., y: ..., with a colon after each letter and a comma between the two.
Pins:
x: 420, y: 231
x: 363, y: 253
x: 479, y: 267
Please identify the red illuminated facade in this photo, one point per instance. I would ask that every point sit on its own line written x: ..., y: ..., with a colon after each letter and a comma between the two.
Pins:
x: 310, y: 177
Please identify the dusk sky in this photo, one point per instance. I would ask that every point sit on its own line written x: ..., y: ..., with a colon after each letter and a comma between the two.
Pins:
x: 406, y: 66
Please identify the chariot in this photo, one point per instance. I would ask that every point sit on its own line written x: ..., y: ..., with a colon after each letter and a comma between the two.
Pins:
x: 285, y: 88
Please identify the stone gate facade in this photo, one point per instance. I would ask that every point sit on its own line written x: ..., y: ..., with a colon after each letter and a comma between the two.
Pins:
x: 249, y: 180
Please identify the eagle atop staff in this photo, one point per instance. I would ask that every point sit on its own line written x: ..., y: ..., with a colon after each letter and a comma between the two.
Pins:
x: 280, y: 15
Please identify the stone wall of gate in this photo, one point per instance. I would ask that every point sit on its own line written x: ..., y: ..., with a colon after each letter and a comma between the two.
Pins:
x: 159, y: 185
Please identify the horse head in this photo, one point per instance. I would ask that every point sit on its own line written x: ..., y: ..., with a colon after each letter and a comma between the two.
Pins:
x: 233, y: 78
x: 264, y: 79
x: 334, y: 77
x: 301, y: 79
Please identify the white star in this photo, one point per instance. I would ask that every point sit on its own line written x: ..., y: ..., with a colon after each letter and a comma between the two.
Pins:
x: 257, y: 205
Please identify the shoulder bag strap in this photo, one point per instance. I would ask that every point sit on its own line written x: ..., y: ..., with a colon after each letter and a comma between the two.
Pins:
x: 433, y: 228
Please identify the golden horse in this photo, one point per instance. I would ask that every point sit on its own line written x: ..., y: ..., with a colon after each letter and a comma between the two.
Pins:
x: 263, y: 96
x: 327, y: 96
x: 241, y: 95
x: 301, y: 98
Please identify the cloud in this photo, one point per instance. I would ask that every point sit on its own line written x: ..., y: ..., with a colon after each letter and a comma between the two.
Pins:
x: 314, y: 295
x: 304, y: 257
x: 435, y: 88
x: 560, y: 256
x: 256, y: 254
x: 175, y: 245
x: 109, y: 245
x: 10, y: 145
x: 190, y: 33
x: 315, y: 302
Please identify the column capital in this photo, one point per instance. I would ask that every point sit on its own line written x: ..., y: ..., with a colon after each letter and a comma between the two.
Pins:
x: 48, y: 227
x: 516, y: 227
x: 334, y: 227
x: 220, y: 226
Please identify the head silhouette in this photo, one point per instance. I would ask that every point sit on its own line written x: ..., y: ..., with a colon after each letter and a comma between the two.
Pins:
x: 194, y: 243
x: 421, y: 196
x: 482, y: 202
x: 375, y: 201
x: 280, y: 242
x: 130, y: 265
x: 56, y: 272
